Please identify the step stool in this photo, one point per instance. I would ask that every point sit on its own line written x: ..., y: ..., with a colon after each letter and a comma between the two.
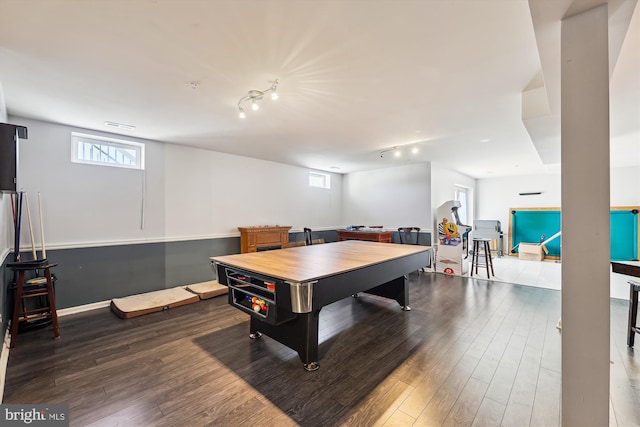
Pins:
x: 32, y: 288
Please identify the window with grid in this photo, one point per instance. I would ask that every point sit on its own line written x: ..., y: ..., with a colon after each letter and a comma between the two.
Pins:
x: 98, y: 150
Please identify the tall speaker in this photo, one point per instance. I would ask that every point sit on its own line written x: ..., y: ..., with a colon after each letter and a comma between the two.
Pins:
x: 9, y: 137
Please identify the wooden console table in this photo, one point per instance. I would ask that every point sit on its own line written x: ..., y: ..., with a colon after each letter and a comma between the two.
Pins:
x: 372, y: 236
x: 252, y: 238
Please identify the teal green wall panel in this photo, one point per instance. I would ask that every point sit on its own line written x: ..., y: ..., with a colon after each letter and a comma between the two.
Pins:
x: 624, y: 235
x: 536, y: 225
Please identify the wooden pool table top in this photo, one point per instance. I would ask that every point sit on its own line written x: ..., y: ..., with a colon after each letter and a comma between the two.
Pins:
x: 309, y: 263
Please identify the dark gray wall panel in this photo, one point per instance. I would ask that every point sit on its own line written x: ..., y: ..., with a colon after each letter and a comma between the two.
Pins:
x: 188, y: 262
x: 89, y: 275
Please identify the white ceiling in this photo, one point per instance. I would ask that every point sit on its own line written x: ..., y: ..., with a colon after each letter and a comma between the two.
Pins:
x: 356, y: 77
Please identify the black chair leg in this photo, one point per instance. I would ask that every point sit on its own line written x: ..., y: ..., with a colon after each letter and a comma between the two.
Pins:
x: 633, y: 313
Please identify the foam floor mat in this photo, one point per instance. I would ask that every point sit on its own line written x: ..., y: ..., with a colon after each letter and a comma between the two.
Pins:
x: 150, y: 302
x: 207, y: 290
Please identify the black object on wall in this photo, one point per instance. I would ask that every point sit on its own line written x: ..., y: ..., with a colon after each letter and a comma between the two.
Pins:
x: 9, y: 155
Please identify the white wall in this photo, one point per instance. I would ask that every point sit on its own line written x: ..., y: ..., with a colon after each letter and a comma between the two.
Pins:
x: 625, y: 186
x: 6, y: 229
x: 3, y: 107
x: 84, y: 204
x: 221, y: 192
x: 443, y: 188
x: 391, y: 197
x: 189, y: 193
x: 6, y: 225
x: 496, y: 196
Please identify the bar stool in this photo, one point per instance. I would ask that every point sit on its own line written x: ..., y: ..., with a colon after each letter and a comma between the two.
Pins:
x: 37, y: 287
x: 632, y: 328
x: 475, y: 258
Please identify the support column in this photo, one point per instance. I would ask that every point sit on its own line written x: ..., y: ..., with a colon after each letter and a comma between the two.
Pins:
x: 585, y: 218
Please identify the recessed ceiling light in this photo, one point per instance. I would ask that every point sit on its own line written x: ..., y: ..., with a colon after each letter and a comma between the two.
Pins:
x: 334, y: 168
x: 485, y: 140
x: 119, y: 125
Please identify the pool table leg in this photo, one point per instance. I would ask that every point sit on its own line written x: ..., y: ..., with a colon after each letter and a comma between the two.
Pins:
x: 299, y: 334
x: 397, y: 289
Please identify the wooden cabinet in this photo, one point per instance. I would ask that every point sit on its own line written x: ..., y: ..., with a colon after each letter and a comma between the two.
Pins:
x: 254, y: 238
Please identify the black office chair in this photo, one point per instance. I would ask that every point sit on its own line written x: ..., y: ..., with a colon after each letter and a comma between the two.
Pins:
x: 307, y: 236
x: 409, y: 235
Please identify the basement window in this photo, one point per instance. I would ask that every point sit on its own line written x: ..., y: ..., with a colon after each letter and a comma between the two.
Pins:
x: 319, y: 180
x: 103, y: 151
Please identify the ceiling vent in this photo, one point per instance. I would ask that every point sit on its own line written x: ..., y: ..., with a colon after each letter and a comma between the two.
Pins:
x: 119, y: 126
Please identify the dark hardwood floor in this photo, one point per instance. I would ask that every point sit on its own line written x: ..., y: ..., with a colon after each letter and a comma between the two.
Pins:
x: 470, y: 353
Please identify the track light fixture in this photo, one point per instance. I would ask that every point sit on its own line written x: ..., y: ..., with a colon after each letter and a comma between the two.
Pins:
x: 397, y: 151
x: 256, y: 95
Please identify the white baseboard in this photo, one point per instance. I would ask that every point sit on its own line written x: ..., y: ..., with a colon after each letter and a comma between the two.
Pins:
x: 4, y: 359
x: 83, y: 308
x: 92, y: 306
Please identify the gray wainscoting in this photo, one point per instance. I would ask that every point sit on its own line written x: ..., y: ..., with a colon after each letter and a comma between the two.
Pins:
x: 94, y: 274
x: 88, y: 275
